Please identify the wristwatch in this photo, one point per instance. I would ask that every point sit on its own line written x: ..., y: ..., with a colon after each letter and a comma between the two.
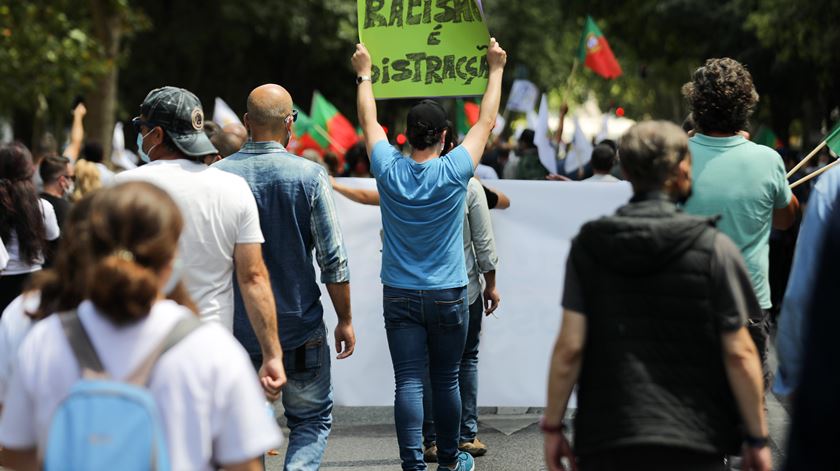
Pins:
x: 756, y: 442
x: 552, y: 429
x: 362, y: 78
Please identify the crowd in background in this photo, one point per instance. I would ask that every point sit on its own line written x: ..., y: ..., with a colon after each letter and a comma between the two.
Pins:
x: 222, y: 223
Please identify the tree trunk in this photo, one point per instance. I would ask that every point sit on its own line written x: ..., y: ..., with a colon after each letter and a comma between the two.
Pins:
x: 102, y: 102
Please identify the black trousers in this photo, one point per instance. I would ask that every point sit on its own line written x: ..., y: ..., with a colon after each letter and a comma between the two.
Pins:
x: 651, y: 458
x: 10, y: 287
x: 759, y: 329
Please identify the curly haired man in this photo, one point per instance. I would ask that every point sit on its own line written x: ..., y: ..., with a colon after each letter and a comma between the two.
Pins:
x: 739, y: 180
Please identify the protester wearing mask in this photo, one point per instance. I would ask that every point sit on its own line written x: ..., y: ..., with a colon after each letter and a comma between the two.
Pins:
x: 298, y: 218
x: 422, y: 199
x: 27, y: 222
x: 59, y: 184
x: 208, y: 400
x: 663, y: 361
x: 222, y: 229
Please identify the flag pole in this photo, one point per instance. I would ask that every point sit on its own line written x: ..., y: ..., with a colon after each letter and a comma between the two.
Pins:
x: 814, y: 174
x: 326, y: 136
x: 806, y: 159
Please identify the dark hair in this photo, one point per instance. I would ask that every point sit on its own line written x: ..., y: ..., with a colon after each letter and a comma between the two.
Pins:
x: 355, y: 155
x: 451, y: 140
x: 603, y: 158
x: 133, y: 233
x: 526, y: 139
x: 53, y: 167
x: 211, y: 129
x: 20, y: 207
x: 421, y: 136
x: 721, y: 96
x: 65, y: 285
x: 650, y: 151
x: 93, y: 152
x: 688, y: 124
x: 226, y: 143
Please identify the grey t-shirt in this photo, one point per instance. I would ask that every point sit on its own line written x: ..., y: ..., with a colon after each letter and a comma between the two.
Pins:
x: 733, y: 298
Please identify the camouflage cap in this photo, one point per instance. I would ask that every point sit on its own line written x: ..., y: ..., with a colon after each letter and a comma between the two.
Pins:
x: 179, y: 113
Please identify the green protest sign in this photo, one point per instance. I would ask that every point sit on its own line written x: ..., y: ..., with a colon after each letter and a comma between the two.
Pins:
x: 425, y: 48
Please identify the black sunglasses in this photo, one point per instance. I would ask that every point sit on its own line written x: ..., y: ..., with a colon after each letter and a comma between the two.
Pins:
x: 294, y: 116
x: 137, y: 122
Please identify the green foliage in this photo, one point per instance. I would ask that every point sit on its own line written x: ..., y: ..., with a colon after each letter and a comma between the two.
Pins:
x: 45, y: 53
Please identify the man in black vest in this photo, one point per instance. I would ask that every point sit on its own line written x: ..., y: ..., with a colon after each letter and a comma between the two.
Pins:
x: 655, y: 308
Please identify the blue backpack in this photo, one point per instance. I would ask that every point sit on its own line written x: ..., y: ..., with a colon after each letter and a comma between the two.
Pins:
x: 105, y: 424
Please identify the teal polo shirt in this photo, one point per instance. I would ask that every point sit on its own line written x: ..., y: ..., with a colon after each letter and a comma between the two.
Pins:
x: 743, y: 182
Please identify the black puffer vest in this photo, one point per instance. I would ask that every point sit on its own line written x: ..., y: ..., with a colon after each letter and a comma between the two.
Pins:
x: 653, y: 371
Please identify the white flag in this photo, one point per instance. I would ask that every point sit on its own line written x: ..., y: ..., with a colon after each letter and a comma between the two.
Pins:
x: 523, y: 96
x: 581, y: 151
x: 605, y: 129
x: 547, y: 152
x: 222, y: 114
x: 500, y: 125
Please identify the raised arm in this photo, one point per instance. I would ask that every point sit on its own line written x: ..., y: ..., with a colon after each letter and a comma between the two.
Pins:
x: 77, y: 133
x: 477, y: 136
x: 365, y: 102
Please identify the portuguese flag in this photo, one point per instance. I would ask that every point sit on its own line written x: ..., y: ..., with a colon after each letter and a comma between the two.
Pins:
x: 330, y: 128
x: 302, y: 135
x: 466, y: 115
x: 595, y: 52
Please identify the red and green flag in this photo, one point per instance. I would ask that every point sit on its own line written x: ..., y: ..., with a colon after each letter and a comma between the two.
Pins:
x: 302, y: 135
x: 466, y: 115
x: 330, y: 128
x: 595, y: 52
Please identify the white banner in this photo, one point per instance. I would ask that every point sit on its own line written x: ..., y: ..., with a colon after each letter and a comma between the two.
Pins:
x: 532, y: 239
x: 523, y: 96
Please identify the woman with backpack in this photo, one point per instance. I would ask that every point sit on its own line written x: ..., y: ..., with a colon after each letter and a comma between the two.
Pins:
x: 27, y: 222
x: 128, y: 379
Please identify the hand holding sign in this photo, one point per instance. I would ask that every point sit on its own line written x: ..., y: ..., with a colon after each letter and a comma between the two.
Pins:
x: 361, y: 61
x: 496, y: 56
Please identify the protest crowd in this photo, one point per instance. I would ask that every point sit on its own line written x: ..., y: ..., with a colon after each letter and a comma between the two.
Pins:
x: 154, y: 311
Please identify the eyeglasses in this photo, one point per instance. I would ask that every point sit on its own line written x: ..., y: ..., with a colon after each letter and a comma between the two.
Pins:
x: 294, y: 116
x: 138, y: 122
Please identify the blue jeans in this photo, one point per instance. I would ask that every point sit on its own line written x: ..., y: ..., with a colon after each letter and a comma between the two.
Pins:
x: 308, y: 402
x: 426, y: 332
x: 467, y: 382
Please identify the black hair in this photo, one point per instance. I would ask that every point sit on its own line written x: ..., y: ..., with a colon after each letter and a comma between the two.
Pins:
x: 603, y: 158
x: 422, y: 135
x: 721, y: 95
x: 93, y: 152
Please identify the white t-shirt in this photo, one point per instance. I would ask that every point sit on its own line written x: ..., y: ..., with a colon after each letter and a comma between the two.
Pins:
x: 603, y: 177
x: 16, y: 266
x: 219, y: 212
x: 14, y: 326
x: 209, y: 398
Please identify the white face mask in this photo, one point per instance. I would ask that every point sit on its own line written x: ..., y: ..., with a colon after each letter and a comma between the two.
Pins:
x: 70, y: 189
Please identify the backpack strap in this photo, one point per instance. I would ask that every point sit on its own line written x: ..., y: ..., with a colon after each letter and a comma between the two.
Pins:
x: 81, y: 345
x: 140, y: 376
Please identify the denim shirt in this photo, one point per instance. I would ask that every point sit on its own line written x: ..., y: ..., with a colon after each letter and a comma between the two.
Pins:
x: 297, y: 215
x: 793, y: 321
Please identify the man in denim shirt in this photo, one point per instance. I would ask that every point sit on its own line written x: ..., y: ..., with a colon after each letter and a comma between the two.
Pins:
x: 297, y: 214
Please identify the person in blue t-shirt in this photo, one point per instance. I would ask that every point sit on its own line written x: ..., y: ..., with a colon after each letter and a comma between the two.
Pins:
x: 423, y: 270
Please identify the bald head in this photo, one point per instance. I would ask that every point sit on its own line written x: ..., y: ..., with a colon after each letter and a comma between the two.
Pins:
x: 268, y: 106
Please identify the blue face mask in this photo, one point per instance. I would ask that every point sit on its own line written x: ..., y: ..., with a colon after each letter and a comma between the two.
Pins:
x: 143, y: 155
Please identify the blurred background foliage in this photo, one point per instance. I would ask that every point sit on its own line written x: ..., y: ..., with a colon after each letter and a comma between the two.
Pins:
x: 114, y: 51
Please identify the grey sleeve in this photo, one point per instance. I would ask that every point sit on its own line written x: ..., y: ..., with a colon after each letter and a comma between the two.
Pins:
x: 733, y: 298
x: 481, y: 229
x: 572, y: 290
